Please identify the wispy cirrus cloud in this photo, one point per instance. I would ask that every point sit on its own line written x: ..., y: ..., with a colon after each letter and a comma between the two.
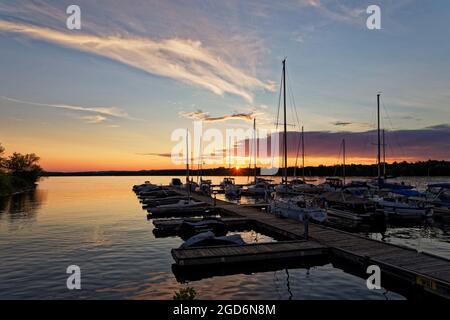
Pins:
x: 185, y: 60
x: 100, y: 114
x: 204, y: 116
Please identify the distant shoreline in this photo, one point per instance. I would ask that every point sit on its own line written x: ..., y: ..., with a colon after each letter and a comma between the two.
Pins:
x: 432, y: 168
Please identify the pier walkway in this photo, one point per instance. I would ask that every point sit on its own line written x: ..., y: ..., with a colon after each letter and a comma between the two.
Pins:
x: 430, y: 272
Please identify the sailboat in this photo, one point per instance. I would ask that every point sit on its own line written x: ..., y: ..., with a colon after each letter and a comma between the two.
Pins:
x: 181, y: 205
x: 387, y: 196
x: 260, y: 186
x: 284, y: 204
x: 228, y: 184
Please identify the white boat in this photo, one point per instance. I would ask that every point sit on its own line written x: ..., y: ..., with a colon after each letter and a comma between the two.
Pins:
x: 392, y: 206
x: 204, y: 187
x: 260, y: 188
x: 297, y: 208
x: 207, y: 239
x: 232, y: 190
x: 182, y: 205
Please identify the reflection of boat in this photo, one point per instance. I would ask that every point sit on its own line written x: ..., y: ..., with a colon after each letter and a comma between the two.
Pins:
x: 180, y: 206
x: 207, y: 239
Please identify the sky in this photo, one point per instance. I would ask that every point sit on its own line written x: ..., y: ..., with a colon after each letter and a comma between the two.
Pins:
x: 111, y: 95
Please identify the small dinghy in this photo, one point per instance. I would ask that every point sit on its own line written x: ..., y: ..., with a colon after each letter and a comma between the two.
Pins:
x: 190, y: 228
x: 208, y: 239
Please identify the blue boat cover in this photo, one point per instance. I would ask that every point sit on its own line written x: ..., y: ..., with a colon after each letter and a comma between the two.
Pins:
x: 408, y: 193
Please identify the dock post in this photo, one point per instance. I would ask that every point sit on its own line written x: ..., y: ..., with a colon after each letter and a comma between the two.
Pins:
x: 215, y: 193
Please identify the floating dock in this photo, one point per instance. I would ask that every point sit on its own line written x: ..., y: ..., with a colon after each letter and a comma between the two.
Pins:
x: 255, y: 252
x: 430, y: 273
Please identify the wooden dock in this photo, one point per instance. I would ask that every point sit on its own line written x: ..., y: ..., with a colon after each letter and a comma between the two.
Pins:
x: 248, y: 253
x: 431, y: 273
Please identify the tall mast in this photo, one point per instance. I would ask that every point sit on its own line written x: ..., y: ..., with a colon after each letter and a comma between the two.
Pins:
x: 384, y: 156
x: 254, y: 145
x: 229, y: 155
x: 285, y: 125
x: 188, y: 186
x: 303, y: 154
x: 379, y: 139
x: 343, y: 160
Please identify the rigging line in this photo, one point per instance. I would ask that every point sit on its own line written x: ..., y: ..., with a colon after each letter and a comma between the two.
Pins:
x: 293, y: 100
x: 278, y: 118
x: 294, y: 113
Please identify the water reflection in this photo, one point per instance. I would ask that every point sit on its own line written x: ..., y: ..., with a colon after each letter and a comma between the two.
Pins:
x: 97, y: 223
x: 22, y: 206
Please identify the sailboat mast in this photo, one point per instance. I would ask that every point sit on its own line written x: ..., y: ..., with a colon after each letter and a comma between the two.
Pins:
x: 229, y: 154
x: 254, y: 145
x: 343, y: 160
x: 379, y: 139
x: 188, y: 186
x: 285, y: 125
x: 303, y: 154
x: 384, y: 156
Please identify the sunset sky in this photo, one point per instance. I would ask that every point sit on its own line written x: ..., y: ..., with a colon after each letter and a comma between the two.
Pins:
x: 109, y: 96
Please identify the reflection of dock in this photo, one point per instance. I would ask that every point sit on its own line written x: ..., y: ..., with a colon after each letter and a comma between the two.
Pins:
x: 428, y: 272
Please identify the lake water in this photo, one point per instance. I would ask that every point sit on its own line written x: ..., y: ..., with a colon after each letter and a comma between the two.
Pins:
x: 98, y: 224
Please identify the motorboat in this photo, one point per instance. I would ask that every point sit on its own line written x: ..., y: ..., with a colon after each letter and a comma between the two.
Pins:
x: 189, y: 228
x: 183, y: 205
x: 261, y: 187
x: 176, y: 183
x: 332, y: 184
x: 161, y: 201
x: 297, y: 208
x: 438, y: 194
x: 204, y: 187
x: 230, y: 188
x: 147, y: 186
x: 397, y: 205
x: 345, y: 200
x: 207, y: 239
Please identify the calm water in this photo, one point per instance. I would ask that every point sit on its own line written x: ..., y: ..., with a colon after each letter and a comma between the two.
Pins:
x: 97, y: 223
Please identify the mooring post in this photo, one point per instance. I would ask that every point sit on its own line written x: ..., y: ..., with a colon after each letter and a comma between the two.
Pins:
x: 215, y: 193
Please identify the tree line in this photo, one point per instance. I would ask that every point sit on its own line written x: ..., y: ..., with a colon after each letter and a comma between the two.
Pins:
x: 18, y: 172
x: 395, y: 169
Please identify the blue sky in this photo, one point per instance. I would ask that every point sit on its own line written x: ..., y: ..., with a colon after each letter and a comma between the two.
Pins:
x: 101, y: 96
